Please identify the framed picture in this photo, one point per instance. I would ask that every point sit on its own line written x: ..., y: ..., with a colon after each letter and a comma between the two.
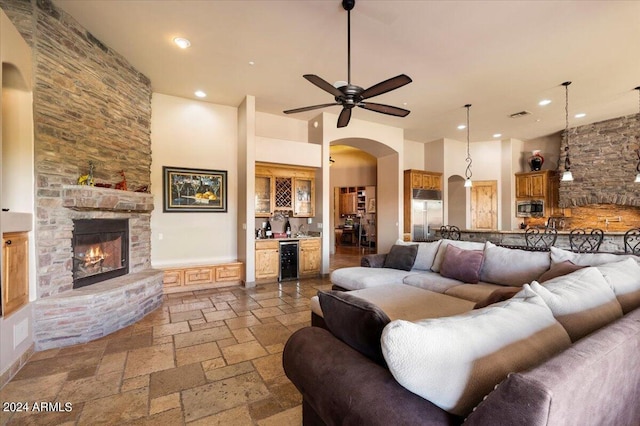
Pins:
x: 193, y: 190
x: 371, y: 208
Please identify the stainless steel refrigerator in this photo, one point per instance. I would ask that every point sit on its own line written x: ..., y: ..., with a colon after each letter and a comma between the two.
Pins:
x: 426, y: 214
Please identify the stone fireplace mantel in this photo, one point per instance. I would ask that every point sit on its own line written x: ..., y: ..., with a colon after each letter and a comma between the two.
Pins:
x: 86, y: 198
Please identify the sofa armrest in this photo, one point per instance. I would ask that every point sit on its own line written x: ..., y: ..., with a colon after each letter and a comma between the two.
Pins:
x: 373, y: 260
x: 343, y: 387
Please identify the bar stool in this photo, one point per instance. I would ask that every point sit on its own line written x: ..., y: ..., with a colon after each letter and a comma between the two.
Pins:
x: 545, y: 239
x: 582, y: 241
x: 632, y: 241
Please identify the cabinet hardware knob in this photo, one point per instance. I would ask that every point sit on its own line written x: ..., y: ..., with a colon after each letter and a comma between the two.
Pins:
x: 8, y: 242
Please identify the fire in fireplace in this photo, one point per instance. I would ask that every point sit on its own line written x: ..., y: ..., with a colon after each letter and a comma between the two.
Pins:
x: 100, y: 250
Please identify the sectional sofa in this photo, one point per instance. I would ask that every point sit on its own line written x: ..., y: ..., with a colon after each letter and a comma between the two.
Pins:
x: 449, y: 332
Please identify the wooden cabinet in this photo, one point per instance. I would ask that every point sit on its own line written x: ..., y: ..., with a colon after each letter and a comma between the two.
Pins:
x: 289, y: 188
x: 352, y: 200
x: 264, y: 195
x: 533, y: 184
x: 15, y: 273
x: 202, y: 277
x: 541, y: 185
x: 421, y: 179
x: 267, y: 260
x: 310, y: 257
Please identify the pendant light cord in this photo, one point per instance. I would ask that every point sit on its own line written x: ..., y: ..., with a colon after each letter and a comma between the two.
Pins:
x: 567, y: 161
x: 467, y: 172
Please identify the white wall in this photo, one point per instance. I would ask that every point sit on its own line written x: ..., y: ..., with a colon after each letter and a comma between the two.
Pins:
x: 278, y: 127
x: 414, y: 153
x: 193, y: 134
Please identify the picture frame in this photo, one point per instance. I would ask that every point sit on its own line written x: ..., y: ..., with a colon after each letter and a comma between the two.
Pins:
x: 193, y: 190
x: 371, y: 208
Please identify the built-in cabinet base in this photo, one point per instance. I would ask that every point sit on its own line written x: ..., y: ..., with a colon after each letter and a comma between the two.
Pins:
x: 202, y: 277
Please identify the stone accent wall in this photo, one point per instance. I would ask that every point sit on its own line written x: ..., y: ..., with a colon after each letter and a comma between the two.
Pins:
x: 90, y: 104
x: 603, y: 163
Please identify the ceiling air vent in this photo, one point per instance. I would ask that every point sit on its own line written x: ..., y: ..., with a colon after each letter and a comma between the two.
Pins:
x: 519, y: 114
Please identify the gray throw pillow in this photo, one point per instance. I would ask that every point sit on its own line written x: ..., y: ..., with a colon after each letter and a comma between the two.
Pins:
x: 355, y: 321
x: 401, y: 257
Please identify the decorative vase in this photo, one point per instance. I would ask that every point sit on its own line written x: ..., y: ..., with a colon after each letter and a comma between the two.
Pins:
x: 536, y: 160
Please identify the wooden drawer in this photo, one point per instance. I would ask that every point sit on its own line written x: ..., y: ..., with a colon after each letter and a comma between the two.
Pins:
x: 267, y: 244
x: 173, y: 278
x: 229, y: 273
x: 198, y: 276
x: 311, y: 243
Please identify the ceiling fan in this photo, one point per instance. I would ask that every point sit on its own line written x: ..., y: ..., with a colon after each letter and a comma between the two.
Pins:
x: 350, y: 95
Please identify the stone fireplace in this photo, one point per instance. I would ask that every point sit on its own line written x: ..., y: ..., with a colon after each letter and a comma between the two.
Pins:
x: 117, y: 286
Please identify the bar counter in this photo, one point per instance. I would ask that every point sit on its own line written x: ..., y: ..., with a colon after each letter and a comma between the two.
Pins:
x: 613, y: 241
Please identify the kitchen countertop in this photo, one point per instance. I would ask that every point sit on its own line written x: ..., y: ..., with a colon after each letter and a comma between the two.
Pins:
x: 304, y: 237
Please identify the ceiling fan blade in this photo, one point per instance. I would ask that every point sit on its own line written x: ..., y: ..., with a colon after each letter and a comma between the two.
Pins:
x: 324, y: 85
x: 386, y: 86
x: 309, y: 108
x: 344, y: 117
x: 385, y: 109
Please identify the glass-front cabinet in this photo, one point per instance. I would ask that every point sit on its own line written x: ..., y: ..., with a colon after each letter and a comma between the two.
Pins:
x: 264, y: 196
x: 303, y: 197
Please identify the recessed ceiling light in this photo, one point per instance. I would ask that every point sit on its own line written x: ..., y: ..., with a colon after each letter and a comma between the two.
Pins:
x: 544, y: 102
x: 497, y: 135
x: 200, y: 94
x: 580, y: 115
x: 181, y: 42
x: 461, y: 127
x: 251, y: 63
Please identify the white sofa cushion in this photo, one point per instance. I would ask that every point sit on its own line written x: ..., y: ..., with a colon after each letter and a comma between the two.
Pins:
x: 588, y: 259
x: 624, y: 279
x: 581, y: 301
x: 357, y: 277
x: 512, y: 267
x: 432, y: 281
x: 466, y: 245
x: 455, y: 361
x: 426, y: 254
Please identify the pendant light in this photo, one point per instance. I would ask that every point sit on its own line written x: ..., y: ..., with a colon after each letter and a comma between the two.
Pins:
x: 467, y: 172
x: 638, y: 149
x: 566, y: 176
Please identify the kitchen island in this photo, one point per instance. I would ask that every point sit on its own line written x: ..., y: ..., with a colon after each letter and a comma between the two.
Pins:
x: 613, y: 241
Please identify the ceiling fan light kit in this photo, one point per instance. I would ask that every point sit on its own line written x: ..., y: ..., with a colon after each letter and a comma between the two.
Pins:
x: 349, y: 95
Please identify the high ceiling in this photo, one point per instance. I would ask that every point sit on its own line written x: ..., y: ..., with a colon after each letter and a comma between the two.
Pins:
x: 500, y: 56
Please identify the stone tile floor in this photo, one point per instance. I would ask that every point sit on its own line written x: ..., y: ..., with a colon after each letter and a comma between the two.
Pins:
x: 208, y: 357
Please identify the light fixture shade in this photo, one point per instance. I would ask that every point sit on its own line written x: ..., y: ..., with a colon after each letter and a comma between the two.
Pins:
x: 468, y: 183
x: 567, y: 176
x: 637, y: 178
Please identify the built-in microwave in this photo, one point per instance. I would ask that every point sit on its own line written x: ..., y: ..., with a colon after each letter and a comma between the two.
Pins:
x: 530, y: 208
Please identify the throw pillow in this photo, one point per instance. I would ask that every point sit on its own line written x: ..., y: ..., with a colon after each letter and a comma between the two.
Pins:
x: 624, y: 278
x: 401, y: 257
x: 558, y: 270
x: 512, y: 267
x: 588, y: 259
x: 462, y: 265
x: 455, y: 361
x: 355, y: 321
x: 499, y: 295
x: 426, y: 253
x: 467, y: 245
x: 581, y: 301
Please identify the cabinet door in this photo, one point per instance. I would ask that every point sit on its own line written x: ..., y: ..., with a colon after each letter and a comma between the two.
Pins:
x: 436, y: 182
x: 229, y: 273
x: 264, y: 196
x: 198, y: 276
x: 15, y: 275
x: 303, y: 197
x: 173, y: 278
x: 284, y: 193
x: 309, y: 257
x: 522, y: 186
x: 427, y: 181
x: 267, y: 259
x: 538, y: 187
x: 416, y: 180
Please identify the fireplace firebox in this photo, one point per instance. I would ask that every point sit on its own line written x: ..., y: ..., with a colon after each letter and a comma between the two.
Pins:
x: 100, y: 250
